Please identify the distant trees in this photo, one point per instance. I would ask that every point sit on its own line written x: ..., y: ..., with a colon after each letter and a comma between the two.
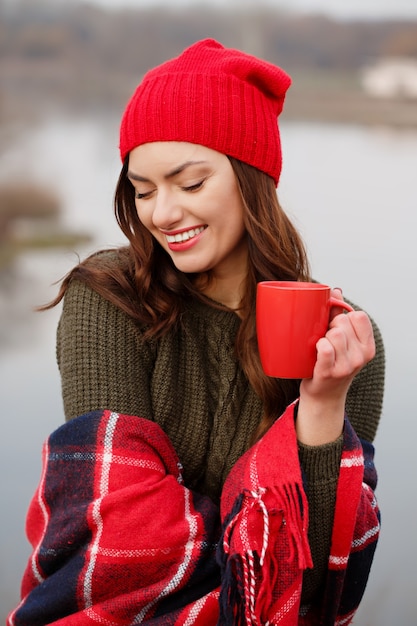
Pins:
x: 80, y: 54
x: 401, y: 42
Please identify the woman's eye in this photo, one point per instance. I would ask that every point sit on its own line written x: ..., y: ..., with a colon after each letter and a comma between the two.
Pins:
x: 194, y: 187
x: 141, y: 196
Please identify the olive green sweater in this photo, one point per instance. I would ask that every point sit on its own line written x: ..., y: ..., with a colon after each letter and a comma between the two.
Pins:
x: 191, y: 384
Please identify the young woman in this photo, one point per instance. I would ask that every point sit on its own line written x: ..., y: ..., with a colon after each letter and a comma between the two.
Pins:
x: 186, y: 487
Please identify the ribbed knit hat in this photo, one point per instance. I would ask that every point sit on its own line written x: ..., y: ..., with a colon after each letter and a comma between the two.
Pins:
x: 214, y: 96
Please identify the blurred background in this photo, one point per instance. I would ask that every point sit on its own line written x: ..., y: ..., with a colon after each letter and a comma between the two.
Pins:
x: 349, y: 133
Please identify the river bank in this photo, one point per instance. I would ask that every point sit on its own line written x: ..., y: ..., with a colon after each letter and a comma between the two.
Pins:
x: 308, y: 101
x: 30, y: 219
x: 349, y: 106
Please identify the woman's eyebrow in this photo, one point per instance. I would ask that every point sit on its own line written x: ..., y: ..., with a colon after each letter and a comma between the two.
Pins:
x: 171, y: 174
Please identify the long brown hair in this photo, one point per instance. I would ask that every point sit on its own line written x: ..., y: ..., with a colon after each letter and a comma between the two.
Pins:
x: 148, y: 287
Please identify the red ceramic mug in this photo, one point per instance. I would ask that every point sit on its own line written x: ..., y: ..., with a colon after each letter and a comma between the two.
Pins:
x: 290, y: 318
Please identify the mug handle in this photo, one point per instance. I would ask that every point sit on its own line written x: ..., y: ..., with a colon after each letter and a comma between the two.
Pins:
x: 340, y: 303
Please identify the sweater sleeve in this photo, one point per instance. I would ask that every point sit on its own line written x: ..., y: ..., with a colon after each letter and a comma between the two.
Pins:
x: 321, y: 464
x: 321, y: 471
x: 102, y: 358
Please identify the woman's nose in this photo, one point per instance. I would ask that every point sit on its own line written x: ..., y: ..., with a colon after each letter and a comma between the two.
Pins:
x: 167, y: 211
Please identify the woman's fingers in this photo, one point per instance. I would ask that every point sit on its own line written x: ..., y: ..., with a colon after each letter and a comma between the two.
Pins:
x: 347, y: 347
x: 335, y: 310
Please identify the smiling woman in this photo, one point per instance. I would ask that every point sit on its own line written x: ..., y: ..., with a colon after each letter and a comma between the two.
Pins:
x: 186, y: 486
x: 188, y: 199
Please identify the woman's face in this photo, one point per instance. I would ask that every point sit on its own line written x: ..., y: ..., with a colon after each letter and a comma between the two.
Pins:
x: 187, y: 197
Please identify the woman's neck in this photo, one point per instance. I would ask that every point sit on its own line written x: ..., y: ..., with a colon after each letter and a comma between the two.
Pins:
x: 226, y: 282
x: 226, y: 290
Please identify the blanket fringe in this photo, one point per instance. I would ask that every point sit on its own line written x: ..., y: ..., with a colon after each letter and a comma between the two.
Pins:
x: 263, y: 552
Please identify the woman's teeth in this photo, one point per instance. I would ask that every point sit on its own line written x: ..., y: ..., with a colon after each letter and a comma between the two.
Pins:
x: 188, y: 234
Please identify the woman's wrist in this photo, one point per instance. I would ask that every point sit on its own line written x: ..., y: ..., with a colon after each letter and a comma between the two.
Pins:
x: 319, y: 421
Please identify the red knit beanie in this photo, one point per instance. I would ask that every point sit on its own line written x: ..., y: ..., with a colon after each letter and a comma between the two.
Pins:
x: 210, y: 95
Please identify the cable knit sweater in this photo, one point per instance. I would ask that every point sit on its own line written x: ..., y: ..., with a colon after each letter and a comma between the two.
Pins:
x: 190, y: 383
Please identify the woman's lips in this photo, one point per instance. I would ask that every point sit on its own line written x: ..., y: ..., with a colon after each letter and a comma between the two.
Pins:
x: 183, y: 240
x: 184, y: 235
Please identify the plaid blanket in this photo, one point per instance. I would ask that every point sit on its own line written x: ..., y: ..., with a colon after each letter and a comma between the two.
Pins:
x: 118, y: 539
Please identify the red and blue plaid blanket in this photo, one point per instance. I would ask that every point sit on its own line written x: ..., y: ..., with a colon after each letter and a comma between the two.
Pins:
x: 118, y: 539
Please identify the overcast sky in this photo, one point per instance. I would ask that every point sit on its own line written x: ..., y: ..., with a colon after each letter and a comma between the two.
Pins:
x: 335, y: 8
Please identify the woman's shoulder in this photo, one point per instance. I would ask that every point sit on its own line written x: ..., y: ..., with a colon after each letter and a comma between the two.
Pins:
x: 100, y: 288
x: 104, y: 275
x: 109, y: 259
x: 92, y: 314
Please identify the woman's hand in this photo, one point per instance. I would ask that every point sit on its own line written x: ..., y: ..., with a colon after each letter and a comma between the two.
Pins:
x: 346, y: 348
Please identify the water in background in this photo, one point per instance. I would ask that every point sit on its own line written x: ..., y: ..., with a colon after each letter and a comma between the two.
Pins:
x: 352, y: 193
